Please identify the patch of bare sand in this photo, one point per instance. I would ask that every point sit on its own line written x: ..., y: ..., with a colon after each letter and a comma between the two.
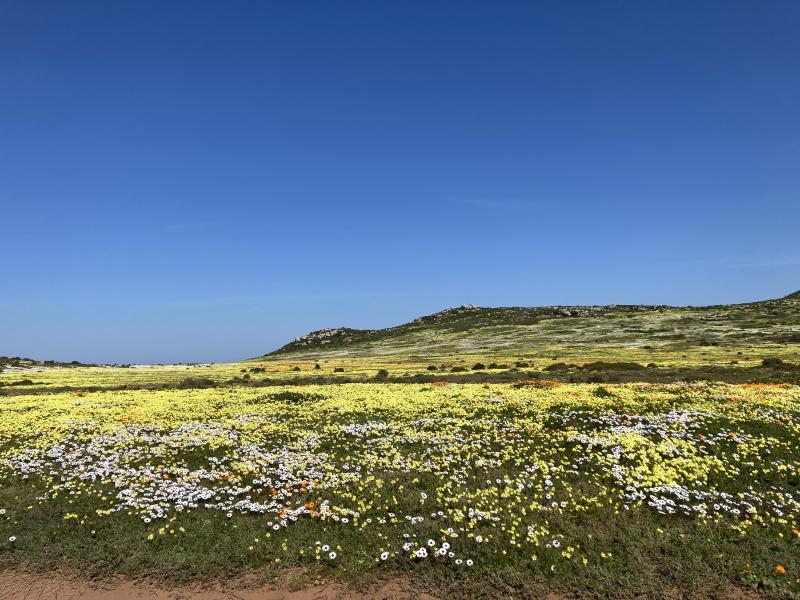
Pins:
x: 16, y: 585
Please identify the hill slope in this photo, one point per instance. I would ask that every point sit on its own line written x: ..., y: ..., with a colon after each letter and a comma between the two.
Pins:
x: 470, y: 329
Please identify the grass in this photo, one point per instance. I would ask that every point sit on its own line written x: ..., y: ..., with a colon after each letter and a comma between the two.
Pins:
x: 181, y: 484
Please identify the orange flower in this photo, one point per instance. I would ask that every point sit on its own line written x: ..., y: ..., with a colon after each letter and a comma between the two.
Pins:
x: 780, y: 569
x: 795, y: 533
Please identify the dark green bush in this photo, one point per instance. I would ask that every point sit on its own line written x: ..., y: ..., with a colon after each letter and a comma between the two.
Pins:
x: 559, y: 366
x: 295, y: 397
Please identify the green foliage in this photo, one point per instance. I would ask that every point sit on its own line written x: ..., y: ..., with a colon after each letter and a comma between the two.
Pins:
x: 647, y: 328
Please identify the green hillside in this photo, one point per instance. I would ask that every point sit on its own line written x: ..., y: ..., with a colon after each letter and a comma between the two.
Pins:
x: 473, y: 330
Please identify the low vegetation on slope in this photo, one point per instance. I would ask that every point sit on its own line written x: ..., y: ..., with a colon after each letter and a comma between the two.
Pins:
x: 468, y: 329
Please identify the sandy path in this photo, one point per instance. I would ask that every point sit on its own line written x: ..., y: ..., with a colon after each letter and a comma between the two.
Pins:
x: 24, y: 586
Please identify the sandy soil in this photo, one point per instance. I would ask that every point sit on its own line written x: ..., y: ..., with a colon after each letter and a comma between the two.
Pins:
x: 25, y: 586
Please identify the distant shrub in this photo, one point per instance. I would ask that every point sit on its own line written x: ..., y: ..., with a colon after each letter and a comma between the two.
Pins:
x: 771, y: 362
x: 478, y: 366
x: 602, y: 392
x: 197, y: 382
x: 382, y: 374
x: 432, y: 367
x: 521, y: 364
x: 612, y: 366
x: 295, y: 368
x: 295, y: 397
x: 458, y: 369
x: 317, y: 367
x: 338, y: 370
x: 258, y: 370
x: 23, y: 382
x: 651, y: 365
x: 559, y: 366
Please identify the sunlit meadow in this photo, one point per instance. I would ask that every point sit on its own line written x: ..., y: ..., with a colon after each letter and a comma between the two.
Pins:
x: 612, y: 489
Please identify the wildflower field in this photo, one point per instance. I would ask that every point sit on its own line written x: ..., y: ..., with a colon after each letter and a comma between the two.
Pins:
x: 492, y: 490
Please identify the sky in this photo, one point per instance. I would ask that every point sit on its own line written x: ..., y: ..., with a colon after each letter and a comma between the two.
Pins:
x: 204, y: 181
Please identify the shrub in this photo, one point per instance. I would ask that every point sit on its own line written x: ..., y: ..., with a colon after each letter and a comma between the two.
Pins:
x: 478, y: 366
x: 317, y: 367
x: 772, y: 362
x: 458, y: 369
x: 295, y: 368
x: 296, y: 397
x: 521, y: 364
x: 432, y: 367
x: 382, y: 374
x: 338, y: 370
x: 559, y: 366
x: 612, y: 366
x: 602, y: 392
x: 197, y: 382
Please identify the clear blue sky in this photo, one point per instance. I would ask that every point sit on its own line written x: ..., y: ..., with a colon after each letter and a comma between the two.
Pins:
x: 186, y: 181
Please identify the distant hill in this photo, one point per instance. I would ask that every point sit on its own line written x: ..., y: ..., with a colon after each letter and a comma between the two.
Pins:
x: 468, y: 328
x: 20, y: 362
